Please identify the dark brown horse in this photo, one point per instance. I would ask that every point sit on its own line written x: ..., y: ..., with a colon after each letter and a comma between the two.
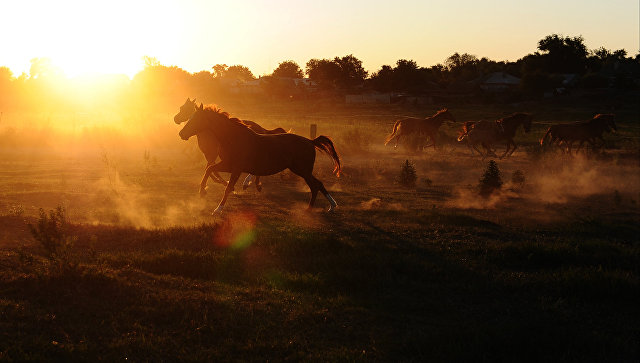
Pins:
x: 243, y: 150
x: 584, y: 131
x: 510, y: 125
x: 210, y: 146
x: 423, y: 126
x: 483, y: 132
x: 487, y: 133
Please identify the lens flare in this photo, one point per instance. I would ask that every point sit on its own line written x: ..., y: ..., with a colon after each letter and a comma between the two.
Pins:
x: 237, y: 231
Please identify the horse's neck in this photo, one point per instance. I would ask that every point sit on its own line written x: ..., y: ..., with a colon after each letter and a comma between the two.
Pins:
x: 227, y: 130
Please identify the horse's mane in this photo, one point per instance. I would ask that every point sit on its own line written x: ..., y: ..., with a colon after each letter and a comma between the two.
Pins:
x: 217, y: 110
x: 440, y: 112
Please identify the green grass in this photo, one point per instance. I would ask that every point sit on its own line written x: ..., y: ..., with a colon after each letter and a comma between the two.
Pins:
x: 453, y: 288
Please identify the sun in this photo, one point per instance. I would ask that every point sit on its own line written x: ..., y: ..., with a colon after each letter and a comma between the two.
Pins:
x: 86, y: 37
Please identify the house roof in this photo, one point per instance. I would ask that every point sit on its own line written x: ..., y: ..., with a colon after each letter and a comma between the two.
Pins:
x: 500, y: 78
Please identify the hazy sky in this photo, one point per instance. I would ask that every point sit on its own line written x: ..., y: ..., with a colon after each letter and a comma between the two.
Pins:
x: 112, y: 35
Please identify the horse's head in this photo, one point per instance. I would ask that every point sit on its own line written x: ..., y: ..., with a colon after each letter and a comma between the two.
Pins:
x: 607, y: 120
x: 446, y: 115
x: 186, y: 111
x: 195, y: 124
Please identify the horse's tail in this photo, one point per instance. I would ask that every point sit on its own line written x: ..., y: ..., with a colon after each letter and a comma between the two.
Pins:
x: 393, y: 133
x: 545, y: 136
x: 325, y: 144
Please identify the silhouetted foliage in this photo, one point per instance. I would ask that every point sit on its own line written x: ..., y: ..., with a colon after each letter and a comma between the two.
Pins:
x: 288, y: 69
x: 351, y: 72
x: 491, y: 179
x: 407, y: 175
x: 564, y: 54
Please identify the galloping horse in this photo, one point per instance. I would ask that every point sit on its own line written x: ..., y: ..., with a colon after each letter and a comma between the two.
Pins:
x: 487, y: 133
x: 482, y: 132
x: 243, y: 150
x: 581, y: 131
x: 412, y: 125
x: 210, y: 146
x: 510, y: 126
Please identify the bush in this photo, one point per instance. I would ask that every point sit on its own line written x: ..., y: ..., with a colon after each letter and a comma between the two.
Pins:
x: 491, y: 180
x: 52, y: 232
x: 407, y: 175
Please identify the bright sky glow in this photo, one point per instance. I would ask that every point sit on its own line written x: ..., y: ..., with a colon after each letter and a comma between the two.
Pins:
x: 112, y: 36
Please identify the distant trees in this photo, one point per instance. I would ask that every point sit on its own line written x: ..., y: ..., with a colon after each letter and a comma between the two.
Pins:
x: 239, y: 72
x: 563, y: 54
x: 288, y: 69
x: 345, y: 73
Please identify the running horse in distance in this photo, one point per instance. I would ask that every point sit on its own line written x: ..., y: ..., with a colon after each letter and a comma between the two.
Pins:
x: 243, y: 150
x: 210, y: 147
x: 583, y: 131
x: 487, y: 133
x: 411, y: 125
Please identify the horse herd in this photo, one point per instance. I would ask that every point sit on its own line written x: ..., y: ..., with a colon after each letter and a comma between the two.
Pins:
x: 244, y: 146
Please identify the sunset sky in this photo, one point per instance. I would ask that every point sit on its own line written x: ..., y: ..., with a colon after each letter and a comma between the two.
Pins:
x: 112, y: 36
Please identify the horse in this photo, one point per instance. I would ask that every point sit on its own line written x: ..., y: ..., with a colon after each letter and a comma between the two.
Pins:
x: 589, y: 131
x: 243, y: 150
x: 210, y: 146
x: 483, y: 132
x: 412, y: 125
x: 510, y: 125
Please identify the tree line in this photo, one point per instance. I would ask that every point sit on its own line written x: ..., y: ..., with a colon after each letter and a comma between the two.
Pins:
x: 545, y: 69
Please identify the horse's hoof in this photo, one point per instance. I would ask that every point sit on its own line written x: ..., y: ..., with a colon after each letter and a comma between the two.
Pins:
x: 259, y: 187
x: 203, y: 193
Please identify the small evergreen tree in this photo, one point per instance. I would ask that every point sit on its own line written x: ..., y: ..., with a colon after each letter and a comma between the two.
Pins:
x: 407, y: 175
x: 491, y: 179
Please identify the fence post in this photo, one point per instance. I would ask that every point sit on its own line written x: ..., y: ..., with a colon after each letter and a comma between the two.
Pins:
x: 312, y: 131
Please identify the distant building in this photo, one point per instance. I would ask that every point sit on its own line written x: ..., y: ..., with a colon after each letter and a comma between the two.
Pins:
x: 499, y: 82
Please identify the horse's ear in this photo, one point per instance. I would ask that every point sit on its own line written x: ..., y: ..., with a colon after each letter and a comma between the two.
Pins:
x: 194, y: 101
x: 188, y: 100
x: 201, y: 106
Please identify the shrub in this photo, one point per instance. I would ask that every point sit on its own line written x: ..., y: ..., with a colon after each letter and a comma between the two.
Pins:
x: 491, y: 179
x: 52, y: 232
x: 407, y: 175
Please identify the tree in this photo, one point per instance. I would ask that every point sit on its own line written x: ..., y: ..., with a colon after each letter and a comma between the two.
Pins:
x: 150, y: 61
x: 406, y: 75
x: 288, y: 69
x: 382, y: 80
x: 324, y: 72
x: 219, y: 70
x: 564, y: 54
x: 491, y: 180
x: 239, y: 72
x: 408, y: 175
x: 351, y: 72
x: 458, y: 61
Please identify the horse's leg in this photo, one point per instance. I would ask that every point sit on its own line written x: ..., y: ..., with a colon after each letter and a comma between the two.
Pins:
x: 209, y: 173
x: 228, y: 190
x: 258, y: 183
x: 247, y: 182
x: 506, y: 151
x: 478, y: 151
x: 515, y: 146
x: 316, y: 185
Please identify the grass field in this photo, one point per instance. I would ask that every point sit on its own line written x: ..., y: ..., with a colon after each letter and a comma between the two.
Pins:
x: 543, y: 271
